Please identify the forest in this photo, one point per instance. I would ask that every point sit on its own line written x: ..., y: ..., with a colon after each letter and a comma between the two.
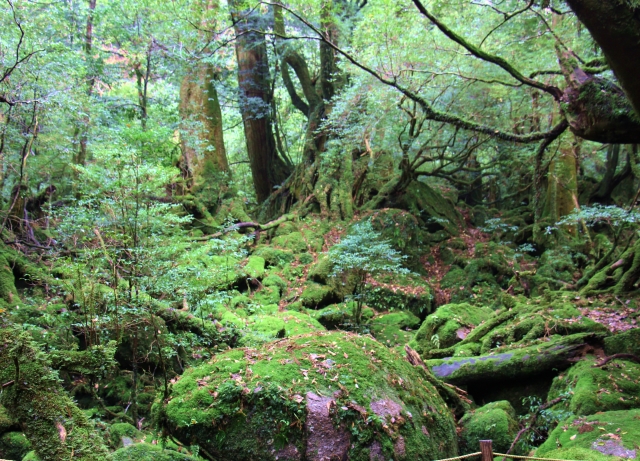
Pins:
x: 319, y: 230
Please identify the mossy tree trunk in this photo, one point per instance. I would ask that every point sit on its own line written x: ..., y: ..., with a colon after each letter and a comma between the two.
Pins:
x: 620, y: 277
x: 615, y: 26
x: 268, y: 169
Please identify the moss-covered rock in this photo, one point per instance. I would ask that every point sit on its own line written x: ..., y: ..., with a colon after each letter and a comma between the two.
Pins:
x: 315, y: 296
x: 623, y: 343
x: 399, y: 292
x: 52, y: 422
x: 254, y: 268
x: 515, y: 363
x: 147, y: 452
x: 7, y: 423
x: 321, y: 270
x: 274, y: 256
x: 615, y: 386
x: 495, y: 421
x: 394, y: 328
x: 294, y: 242
x: 610, y: 435
x: 14, y: 445
x: 448, y: 325
x: 261, y: 328
x: 340, y: 316
x: 311, y: 397
x: 124, y: 434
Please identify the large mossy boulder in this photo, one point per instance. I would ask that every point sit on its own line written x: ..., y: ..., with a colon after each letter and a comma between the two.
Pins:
x: 589, y: 389
x: 394, y: 328
x: 448, y: 325
x: 408, y: 292
x: 330, y: 395
x: 627, y: 342
x: 147, y: 452
x: 495, y: 421
x: 606, y: 436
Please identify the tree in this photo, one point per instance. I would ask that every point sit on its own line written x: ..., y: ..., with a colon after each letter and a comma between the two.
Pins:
x: 268, y: 168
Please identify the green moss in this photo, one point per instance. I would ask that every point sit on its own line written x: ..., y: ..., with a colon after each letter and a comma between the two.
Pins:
x: 273, y: 280
x: 31, y: 456
x: 274, y: 256
x: 495, y: 421
x: 248, y: 403
x: 255, y: 267
x: 395, y: 328
x: 448, y: 325
x: 616, y: 386
x: 147, y: 452
x: 40, y: 404
x: 321, y: 270
x: 587, y: 433
x: 6, y: 422
x: 14, y: 445
x: 315, y: 295
x: 294, y: 242
x: 623, y: 343
x: 399, y: 291
x: 119, y: 432
x: 576, y: 453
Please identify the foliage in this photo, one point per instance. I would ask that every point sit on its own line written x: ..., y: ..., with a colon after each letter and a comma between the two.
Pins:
x: 361, y: 254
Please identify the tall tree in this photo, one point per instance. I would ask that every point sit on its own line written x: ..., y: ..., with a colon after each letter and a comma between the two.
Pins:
x: 203, y: 149
x: 269, y: 170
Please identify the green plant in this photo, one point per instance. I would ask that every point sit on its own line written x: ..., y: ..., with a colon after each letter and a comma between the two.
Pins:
x: 361, y: 254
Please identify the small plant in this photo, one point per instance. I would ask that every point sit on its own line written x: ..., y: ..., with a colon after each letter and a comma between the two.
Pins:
x: 361, y: 254
x: 435, y: 340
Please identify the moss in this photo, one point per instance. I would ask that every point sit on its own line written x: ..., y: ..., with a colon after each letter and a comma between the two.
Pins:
x: 248, y: 403
x: 14, y: 445
x: 31, y: 456
x: 448, y: 325
x: 119, y: 432
x: 511, y: 363
x: 335, y: 315
x: 623, y: 343
x: 495, y: 421
x: 595, y: 431
x: 616, y: 386
x: 285, y: 228
x: 147, y: 452
x: 400, y: 291
x: 313, y: 238
x: 40, y: 404
x: 7, y: 423
x: 315, y: 295
x: 321, y: 270
x: 254, y: 268
x: 294, y: 242
x: 576, y: 453
x: 267, y: 295
x: 395, y: 328
x: 262, y: 328
x: 274, y: 256
x: 273, y: 280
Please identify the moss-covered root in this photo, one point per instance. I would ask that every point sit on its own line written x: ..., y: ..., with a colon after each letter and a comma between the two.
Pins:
x: 620, y: 277
x: 32, y: 395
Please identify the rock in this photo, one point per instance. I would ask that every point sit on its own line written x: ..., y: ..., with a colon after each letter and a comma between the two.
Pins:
x: 615, y: 386
x: 311, y: 397
x: 560, y: 352
x: 495, y: 421
x: 394, y: 328
x: 447, y: 326
x: 324, y: 441
x: 609, y: 435
x: 147, y: 452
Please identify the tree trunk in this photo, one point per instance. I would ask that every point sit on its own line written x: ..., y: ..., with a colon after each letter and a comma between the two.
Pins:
x: 268, y: 169
x: 615, y: 26
x: 83, y: 130
x: 202, y: 145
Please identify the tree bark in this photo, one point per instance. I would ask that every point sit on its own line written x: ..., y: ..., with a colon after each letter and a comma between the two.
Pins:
x: 267, y: 168
x: 615, y: 26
